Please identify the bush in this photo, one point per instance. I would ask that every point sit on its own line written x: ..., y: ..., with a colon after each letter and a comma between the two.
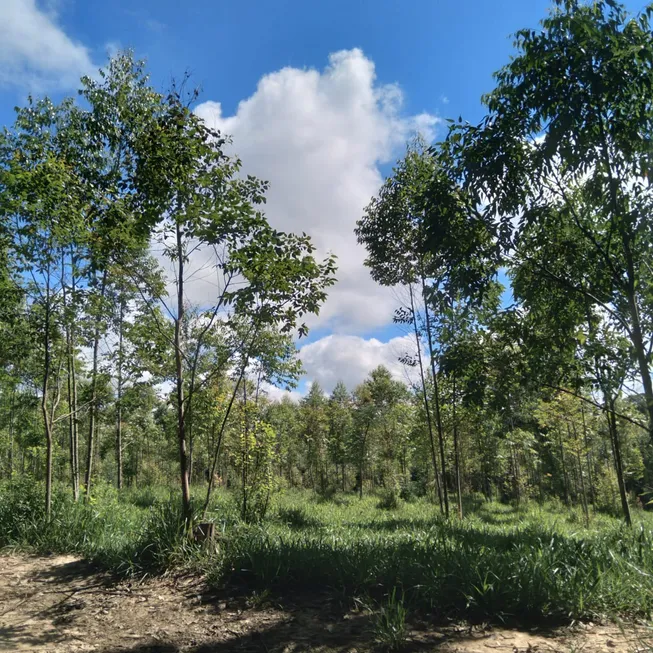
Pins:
x: 389, y: 500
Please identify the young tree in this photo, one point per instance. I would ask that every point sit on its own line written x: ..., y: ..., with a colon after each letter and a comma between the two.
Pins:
x: 340, y: 423
x: 202, y: 208
x: 563, y: 155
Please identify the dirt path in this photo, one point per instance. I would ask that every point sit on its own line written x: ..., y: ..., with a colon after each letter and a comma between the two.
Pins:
x: 58, y: 604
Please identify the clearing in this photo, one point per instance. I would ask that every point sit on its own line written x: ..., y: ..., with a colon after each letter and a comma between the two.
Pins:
x: 61, y: 603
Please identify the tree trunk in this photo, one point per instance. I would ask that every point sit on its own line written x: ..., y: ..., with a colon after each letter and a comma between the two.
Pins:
x: 216, y: 451
x: 642, y: 360
x: 565, y: 477
x: 93, y: 402
x: 580, y: 474
x: 119, y: 398
x: 436, y: 397
x: 44, y: 402
x: 71, y: 381
x: 457, y: 453
x: 181, y: 416
x: 12, y: 404
x: 426, y: 399
x: 588, y: 456
x: 616, y: 448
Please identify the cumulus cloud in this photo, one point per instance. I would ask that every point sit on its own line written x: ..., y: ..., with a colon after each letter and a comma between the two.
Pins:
x: 319, y: 138
x: 277, y: 394
x: 35, y: 52
x: 351, y: 358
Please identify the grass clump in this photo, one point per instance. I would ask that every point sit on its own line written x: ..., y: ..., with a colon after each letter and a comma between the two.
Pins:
x: 390, y: 626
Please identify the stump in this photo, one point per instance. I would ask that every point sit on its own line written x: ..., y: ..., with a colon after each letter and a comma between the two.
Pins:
x: 204, y: 533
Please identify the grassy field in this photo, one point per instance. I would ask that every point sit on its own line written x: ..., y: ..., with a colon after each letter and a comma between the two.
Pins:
x: 500, y: 564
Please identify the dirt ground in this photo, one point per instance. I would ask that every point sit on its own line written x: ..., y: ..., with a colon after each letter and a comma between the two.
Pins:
x: 61, y: 603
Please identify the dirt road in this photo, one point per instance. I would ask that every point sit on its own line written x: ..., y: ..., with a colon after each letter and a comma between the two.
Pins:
x: 58, y: 604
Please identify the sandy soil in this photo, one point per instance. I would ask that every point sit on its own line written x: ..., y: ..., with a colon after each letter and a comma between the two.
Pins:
x: 61, y: 603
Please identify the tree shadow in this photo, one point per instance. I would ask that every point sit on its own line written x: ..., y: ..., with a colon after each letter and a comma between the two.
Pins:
x: 305, y: 630
x: 74, y: 573
x: 70, y: 580
x: 300, y: 636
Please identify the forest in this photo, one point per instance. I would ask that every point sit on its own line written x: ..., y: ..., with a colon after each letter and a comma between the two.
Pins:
x: 506, y: 477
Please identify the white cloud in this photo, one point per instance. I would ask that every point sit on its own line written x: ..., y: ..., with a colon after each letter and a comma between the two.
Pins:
x: 35, y: 53
x: 277, y: 394
x: 319, y: 137
x: 351, y: 358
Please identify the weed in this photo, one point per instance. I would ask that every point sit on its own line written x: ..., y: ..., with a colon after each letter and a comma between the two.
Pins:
x: 390, y: 628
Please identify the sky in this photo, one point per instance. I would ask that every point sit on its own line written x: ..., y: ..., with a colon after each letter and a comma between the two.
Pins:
x: 319, y: 97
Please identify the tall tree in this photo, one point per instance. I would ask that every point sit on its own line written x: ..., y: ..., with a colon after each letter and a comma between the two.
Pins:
x: 563, y: 154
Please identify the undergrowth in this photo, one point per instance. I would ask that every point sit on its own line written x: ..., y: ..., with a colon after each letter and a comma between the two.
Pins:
x: 501, y: 563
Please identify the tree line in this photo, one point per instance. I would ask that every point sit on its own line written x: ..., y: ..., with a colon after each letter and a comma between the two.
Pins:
x: 106, y: 206
x: 537, y: 388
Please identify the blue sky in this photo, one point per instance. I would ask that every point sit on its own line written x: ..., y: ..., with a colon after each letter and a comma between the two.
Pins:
x: 320, y: 98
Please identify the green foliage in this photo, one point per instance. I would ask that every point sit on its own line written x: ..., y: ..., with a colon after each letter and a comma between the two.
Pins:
x: 521, y: 565
x: 390, y: 627
x: 389, y: 500
x: 500, y: 563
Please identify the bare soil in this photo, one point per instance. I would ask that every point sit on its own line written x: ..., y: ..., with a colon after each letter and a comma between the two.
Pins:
x: 61, y: 603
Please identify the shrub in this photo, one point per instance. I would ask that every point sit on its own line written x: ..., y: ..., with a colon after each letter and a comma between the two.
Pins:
x: 389, y: 500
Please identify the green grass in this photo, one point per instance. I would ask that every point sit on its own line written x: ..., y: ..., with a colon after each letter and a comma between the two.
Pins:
x: 500, y: 563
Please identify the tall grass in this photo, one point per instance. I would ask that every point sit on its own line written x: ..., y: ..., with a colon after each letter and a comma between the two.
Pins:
x: 500, y: 563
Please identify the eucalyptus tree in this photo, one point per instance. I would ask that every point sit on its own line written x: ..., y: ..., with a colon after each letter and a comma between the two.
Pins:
x: 120, y: 107
x: 375, y: 400
x: 205, y: 217
x: 41, y: 197
x: 564, y: 154
x: 315, y: 427
x: 340, y: 423
x: 462, y: 331
x: 393, y: 232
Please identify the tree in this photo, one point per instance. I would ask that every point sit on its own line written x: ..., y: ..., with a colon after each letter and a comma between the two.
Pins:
x: 563, y: 155
x: 374, y: 402
x: 340, y: 424
x: 315, y: 423
x: 192, y: 192
x: 393, y: 233
x: 39, y: 192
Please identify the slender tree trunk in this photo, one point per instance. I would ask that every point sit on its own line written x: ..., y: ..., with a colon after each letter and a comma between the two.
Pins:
x: 588, y: 457
x: 425, y: 398
x: 457, y: 452
x: 436, y: 398
x: 245, y: 462
x: 362, y: 463
x: 44, y: 401
x: 216, y: 450
x: 580, y: 473
x: 616, y: 448
x: 565, y: 477
x: 71, y: 381
x: 181, y: 414
x: 12, y: 405
x: 642, y: 359
x: 73, y: 384
x: 119, y: 398
x: 516, y: 476
x: 93, y: 402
